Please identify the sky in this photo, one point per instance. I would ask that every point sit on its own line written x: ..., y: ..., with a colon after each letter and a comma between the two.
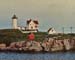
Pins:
x: 49, y: 13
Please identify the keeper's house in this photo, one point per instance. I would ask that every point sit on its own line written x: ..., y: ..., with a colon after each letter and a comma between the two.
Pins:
x: 31, y: 25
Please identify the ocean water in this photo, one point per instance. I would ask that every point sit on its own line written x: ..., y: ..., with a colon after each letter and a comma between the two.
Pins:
x: 38, y: 56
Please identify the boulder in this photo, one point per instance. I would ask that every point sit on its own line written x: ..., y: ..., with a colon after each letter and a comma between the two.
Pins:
x: 47, y: 45
x: 58, y: 45
x: 12, y: 45
x: 2, y: 46
x: 67, y: 44
x: 35, y: 46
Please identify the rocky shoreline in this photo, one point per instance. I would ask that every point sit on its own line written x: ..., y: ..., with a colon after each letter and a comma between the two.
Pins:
x: 50, y: 45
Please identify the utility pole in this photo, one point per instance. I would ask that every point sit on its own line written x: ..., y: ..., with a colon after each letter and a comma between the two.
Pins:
x: 71, y: 33
x: 71, y: 29
x: 63, y: 30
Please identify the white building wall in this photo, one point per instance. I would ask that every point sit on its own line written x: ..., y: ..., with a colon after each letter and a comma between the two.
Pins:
x: 52, y: 31
x: 32, y: 25
x: 27, y: 31
x: 14, y: 22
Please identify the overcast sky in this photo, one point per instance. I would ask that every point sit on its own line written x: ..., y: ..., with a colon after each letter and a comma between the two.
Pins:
x: 50, y: 13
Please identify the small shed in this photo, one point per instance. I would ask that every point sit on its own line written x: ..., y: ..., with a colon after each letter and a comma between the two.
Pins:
x: 51, y: 31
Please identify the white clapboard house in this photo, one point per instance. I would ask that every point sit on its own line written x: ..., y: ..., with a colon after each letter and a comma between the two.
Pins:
x: 52, y: 31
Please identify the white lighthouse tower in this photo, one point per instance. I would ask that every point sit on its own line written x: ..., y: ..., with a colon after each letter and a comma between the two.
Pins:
x: 14, y: 22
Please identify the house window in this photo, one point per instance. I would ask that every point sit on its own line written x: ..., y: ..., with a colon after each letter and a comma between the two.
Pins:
x: 35, y: 26
x: 52, y: 30
x: 31, y: 27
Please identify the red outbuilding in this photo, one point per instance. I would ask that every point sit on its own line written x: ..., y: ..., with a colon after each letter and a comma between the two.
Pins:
x: 31, y: 37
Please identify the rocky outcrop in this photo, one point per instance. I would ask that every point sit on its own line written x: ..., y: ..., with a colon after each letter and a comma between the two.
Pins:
x: 57, y: 45
x: 2, y: 46
x: 67, y: 44
x: 49, y: 45
x: 35, y: 46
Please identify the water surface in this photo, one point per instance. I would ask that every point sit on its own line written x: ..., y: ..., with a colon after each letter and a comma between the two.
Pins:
x: 39, y: 56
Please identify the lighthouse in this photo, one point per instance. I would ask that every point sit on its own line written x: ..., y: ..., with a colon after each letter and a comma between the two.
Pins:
x: 14, y: 22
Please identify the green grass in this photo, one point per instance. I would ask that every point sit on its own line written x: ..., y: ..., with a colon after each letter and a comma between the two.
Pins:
x: 12, y: 35
x: 40, y: 36
x: 63, y: 36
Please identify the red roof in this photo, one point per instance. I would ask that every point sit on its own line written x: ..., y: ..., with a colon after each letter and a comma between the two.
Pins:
x: 28, y: 21
x: 35, y: 21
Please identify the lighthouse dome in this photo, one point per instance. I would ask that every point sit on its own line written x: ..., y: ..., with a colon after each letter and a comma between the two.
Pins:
x: 14, y: 17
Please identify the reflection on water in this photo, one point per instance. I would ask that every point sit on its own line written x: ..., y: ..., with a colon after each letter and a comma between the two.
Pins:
x: 39, y: 56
